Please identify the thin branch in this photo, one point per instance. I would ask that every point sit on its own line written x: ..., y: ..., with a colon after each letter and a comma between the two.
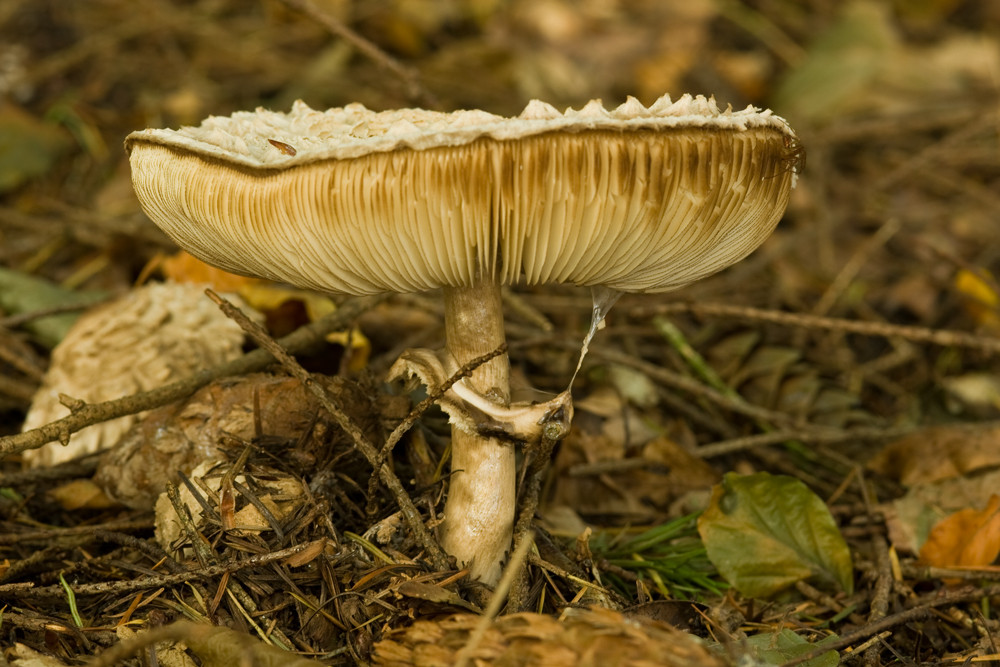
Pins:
x: 422, y: 407
x: 807, y: 433
x: 942, y: 337
x: 370, y: 452
x: 52, y: 534
x: 916, y: 612
x: 516, y: 565
x: 302, y: 339
x: 146, y: 582
x: 409, y: 76
x: 541, y: 456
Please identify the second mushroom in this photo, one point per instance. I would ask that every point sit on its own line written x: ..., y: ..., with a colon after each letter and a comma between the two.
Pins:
x: 351, y: 201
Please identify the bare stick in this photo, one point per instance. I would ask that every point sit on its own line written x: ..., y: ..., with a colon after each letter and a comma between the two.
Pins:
x: 409, y: 76
x: 516, y: 564
x: 229, y: 646
x: 421, y: 408
x: 943, y: 337
x: 918, y: 611
x: 541, y: 456
x: 20, y: 591
x: 857, y: 261
x: 51, y: 534
x: 370, y: 452
x: 807, y: 433
x: 88, y: 414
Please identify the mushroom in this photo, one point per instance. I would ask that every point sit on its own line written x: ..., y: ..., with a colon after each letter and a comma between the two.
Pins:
x: 170, y: 331
x: 636, y: 199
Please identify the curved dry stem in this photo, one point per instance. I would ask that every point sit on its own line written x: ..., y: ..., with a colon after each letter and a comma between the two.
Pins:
x: 479, y: 512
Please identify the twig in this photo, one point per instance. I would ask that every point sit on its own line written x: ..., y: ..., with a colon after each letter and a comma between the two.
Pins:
x: 702, y: 369
x: 151, y: 549
x: 88, y: 414
x: 514, y: 567
x: 823, y: 435
x: 942, y: 337
x: 146, y: 582
x: 228, y: 646
x: 880, y: 596
x: 56, y: 533
x: 208, y: 558
x: 388, y: 475
x: 420, y: 409
x: 916, y: 612
x: 807, y: 433
x: 692, y: 386
x: 540, y: 458
x: 853, y: 265
x: 879, y: 606
x: 409, y: 76
x: 970, y: 573
x: 693, y: 358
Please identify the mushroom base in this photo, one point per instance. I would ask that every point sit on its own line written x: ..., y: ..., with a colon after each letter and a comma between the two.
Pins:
x: 479, y: 511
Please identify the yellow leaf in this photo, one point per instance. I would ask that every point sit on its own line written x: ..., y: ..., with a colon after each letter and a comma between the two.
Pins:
x: 186, y: 268
x: 274, y: 302
x: 81, y: 494
x: 982, y: 300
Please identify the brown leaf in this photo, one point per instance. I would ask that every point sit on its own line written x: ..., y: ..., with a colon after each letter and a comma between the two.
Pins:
x: 307, y: 555
x: 966, y: 538
x: 81, y: 494
x: 936, y: 453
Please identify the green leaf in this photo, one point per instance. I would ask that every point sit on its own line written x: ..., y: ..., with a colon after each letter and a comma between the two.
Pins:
x: 23, y: 293
x: 766, y: 532
x: 28, y: 146
x: 782, y: 646
x: 842, y: 65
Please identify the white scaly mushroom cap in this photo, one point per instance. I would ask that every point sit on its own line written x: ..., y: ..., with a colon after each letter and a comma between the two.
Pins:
x: 168, y: 330
x: 349, y: 200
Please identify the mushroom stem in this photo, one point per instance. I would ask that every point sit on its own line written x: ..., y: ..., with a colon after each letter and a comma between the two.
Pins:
x: 479, y: 511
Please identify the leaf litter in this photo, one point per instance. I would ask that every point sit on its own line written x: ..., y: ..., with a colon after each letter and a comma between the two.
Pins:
x: 854, y: 357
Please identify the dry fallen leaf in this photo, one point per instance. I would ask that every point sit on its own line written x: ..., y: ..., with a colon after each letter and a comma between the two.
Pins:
x: 280, y: 493
x: 81, y: 494
x: 968, y: 537
x: 980, y: 295
x: 179, y: 436
x: 910, y: 519
x: 937, y: 453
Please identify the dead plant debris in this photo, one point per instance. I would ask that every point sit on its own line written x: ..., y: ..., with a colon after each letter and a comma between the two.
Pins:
x: 824, y: 412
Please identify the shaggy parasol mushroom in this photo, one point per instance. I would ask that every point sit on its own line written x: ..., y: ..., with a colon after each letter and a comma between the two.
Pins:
x: 636, y: 199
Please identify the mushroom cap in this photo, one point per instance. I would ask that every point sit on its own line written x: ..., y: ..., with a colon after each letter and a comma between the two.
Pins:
x: 638, y: 199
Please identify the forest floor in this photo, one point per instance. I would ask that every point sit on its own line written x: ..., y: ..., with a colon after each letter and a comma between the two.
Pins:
x: 843, y: 380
